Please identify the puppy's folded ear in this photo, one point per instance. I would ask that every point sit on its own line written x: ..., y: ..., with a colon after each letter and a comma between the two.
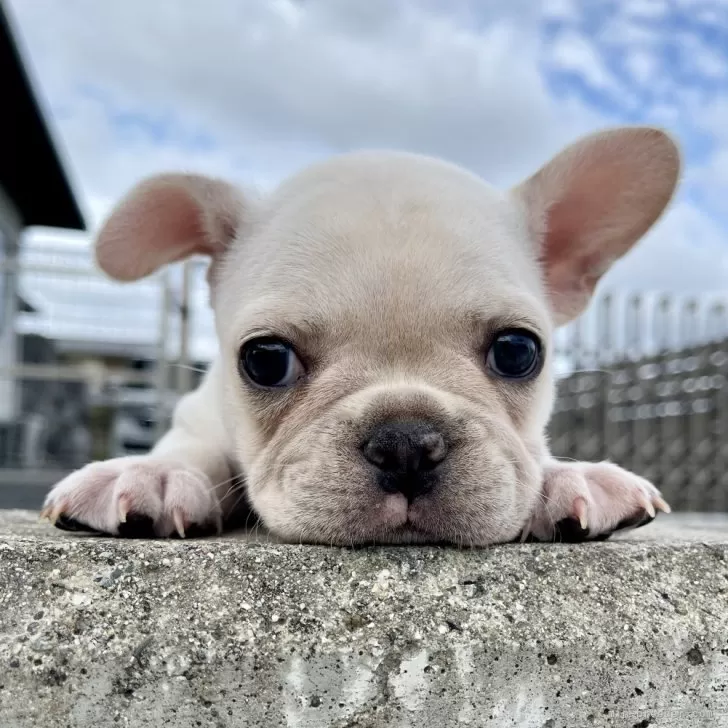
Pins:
x: 591, y: 203
x: 164, y: 219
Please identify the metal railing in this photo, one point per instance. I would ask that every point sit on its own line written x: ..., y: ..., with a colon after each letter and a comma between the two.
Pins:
x: 646, y: 386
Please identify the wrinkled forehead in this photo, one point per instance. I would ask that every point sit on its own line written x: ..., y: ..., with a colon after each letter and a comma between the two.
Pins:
x: 382, y: 248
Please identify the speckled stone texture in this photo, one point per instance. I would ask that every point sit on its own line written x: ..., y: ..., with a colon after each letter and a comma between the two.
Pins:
x: 236, y: 632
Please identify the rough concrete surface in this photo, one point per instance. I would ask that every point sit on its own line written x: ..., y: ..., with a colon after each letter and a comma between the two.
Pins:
x: 631, y: 632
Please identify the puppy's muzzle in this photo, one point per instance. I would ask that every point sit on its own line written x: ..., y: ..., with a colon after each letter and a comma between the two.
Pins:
x: 407, y: 455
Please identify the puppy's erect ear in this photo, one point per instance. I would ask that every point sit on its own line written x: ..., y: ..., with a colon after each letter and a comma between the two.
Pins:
x: 167, y: 218
x: 592, y: 202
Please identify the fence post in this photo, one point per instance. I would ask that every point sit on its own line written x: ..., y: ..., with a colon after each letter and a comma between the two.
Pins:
x: 162, y: 355
x: 184, y: 371
x: 604, y: 359
x: 718, y: 498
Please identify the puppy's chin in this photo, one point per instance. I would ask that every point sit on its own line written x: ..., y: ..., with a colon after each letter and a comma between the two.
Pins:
x: 316, y: 487
x: 390, y: 519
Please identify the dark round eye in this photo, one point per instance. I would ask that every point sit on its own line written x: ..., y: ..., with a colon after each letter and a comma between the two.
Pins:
x: 514, y: 354
x: 269, y: 362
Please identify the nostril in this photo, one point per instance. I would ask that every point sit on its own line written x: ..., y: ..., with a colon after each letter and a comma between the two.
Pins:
x: 405, y: 447
x: 434, y: 449
x: 374, y: 453
x: 388, y: 453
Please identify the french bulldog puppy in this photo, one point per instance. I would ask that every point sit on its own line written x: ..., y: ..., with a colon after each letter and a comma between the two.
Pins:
x: 385, y: 325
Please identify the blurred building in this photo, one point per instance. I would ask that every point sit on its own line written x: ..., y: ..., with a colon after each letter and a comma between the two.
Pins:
x: 34, y: 191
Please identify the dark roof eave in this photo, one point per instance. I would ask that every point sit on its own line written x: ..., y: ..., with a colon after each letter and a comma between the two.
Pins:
x: 31, y: 173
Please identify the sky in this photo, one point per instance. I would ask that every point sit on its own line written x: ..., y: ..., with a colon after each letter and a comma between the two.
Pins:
x: 251, y: 90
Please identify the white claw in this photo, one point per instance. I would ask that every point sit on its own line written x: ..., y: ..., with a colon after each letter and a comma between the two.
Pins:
x: 122, y: 509
x: 526, y: 530
x: 662, y: 505
x: 580, y: 511
x: 179, y: 523
x: 56, y: 512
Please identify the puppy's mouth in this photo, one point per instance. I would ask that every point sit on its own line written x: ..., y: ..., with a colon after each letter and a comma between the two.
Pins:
x: 398, y: 515
x: 397, y: 521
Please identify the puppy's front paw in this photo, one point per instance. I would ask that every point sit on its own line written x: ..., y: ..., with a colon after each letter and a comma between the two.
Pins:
x: 135, y: 497
x: 587, y: 501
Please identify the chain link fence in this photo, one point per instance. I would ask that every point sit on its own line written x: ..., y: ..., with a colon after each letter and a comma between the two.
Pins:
x: 647, y: 388
x: 99, y: 366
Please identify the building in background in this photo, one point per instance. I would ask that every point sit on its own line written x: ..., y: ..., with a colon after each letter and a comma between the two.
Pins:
x: 34, y: 191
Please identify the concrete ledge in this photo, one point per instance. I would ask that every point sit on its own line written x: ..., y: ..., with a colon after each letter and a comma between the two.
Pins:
x: 232, y: 632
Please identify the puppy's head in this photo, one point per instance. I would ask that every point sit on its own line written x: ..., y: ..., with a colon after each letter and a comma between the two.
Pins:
x: 385, y: 323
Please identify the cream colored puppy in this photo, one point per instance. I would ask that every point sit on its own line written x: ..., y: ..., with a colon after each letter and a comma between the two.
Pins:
x: 385, y: 323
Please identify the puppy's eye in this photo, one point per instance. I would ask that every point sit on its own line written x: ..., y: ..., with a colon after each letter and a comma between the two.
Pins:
x: 514, y: 354
x: 269, y: 362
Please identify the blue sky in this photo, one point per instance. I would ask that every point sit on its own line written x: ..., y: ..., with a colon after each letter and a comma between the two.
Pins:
x: 652, y: 62
x: 250, y: 90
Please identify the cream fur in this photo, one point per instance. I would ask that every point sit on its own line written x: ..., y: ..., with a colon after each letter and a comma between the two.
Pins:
x: 390, y: 271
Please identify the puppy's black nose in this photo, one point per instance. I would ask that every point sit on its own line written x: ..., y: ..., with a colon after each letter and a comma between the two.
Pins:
x: 406, y: 453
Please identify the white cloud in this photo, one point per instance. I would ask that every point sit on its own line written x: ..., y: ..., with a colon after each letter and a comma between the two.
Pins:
x: 278, y: 83
x: 710, y: 175
x: 270, y: 86
x: 571, y: 51
x: 647, y: 9
x: 701, y: 58
x: 685, y: 251
x: 564, y: 10
x: 643, y: 65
